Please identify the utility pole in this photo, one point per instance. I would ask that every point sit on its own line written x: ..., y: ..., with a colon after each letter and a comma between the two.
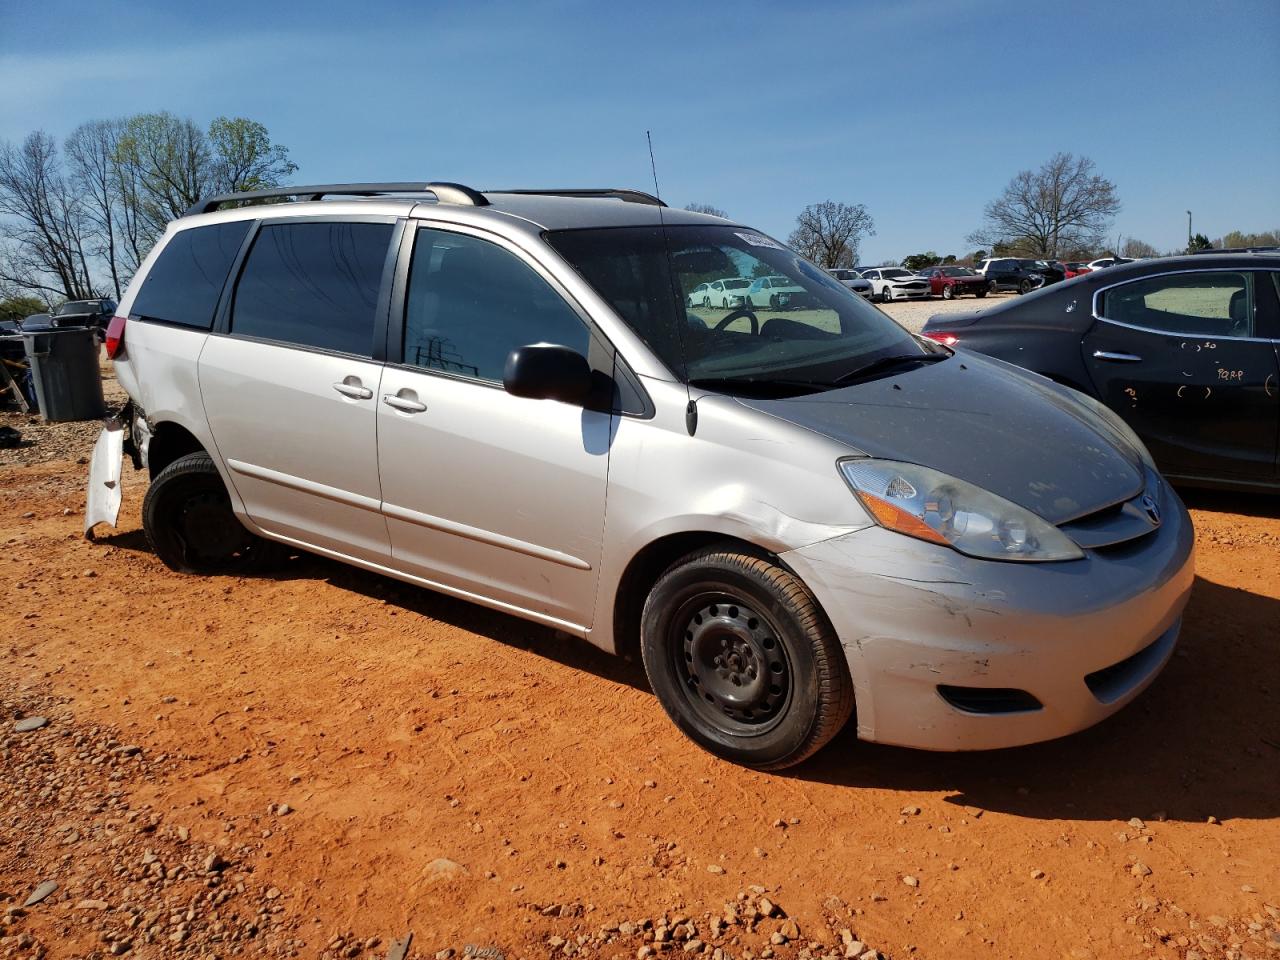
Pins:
x: 1188, y: 229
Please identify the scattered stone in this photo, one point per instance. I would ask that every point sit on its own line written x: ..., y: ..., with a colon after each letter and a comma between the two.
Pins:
x: 911, y: 811
x: 1137, y: 823
x: 911, y: 881
x: 714, y: 868
x: 29, y: 724
x: 1140, y: 869
x: 91, y: 905
x: 790, y: 929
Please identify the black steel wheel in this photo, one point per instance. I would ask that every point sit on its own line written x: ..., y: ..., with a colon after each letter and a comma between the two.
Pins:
x: 743, y: 660
x: 190, y: 525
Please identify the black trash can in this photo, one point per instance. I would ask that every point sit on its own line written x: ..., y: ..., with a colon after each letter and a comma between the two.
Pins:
x: 64, y: 369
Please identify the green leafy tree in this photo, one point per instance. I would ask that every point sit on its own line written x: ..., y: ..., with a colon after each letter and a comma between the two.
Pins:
x: 16, y: 308
x: 1268, y: 238
x: 1199, y: 242
x: 918, y: 261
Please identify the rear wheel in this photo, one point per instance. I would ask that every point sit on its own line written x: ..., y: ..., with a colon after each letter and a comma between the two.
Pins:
x: 190, y: 525
x: 743, y: 660
x: 980, y: 292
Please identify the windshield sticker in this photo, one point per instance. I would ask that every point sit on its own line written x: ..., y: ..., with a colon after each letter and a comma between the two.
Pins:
x: 758, y: 240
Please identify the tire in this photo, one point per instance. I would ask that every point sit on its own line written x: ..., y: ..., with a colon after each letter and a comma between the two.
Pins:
x: 706, y: 303
x: 949, y: 292
x: 773, y: 302
x: 724, y: 303
x: 727, y: 703
x: 885, y: 296
x: 190, y: 525
x: 1024, y: 286
x: 980, y: 292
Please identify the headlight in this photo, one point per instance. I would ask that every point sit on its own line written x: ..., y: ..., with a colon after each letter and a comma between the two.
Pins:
x: 932, y: 506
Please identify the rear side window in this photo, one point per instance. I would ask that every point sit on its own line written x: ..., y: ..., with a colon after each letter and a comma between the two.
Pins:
x: 1208, y: 303
x: 313, y: 284
x: 186, y: 280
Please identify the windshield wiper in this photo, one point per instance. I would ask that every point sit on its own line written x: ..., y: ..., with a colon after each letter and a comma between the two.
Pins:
x: 885, y: 364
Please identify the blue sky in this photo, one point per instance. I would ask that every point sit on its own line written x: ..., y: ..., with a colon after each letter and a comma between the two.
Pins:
x: 920, y: 109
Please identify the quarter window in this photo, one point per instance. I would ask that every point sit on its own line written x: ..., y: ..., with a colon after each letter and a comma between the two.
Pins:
x: 471, y: 302
x: 183, y: 285
x: 1209, y: 303
x: 313, y: 284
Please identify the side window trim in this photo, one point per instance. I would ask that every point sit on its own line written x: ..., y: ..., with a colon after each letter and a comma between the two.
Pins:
x: 222, y: 319
x: 1098, y: 316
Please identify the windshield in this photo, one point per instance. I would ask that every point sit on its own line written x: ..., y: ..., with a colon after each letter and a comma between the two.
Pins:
x: 958, y: 272
x: 887, y: 274
x: 78, y: 306
x: 736, y: 284
x: 816, y: 330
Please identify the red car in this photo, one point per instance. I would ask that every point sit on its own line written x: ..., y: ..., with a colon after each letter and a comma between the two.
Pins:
x: 950, y: 282
x: 1076, y: 269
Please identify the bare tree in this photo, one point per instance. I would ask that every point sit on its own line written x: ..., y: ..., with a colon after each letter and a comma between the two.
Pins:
x: 91, y: 158
x: 706, y: 208
x: 830, y: 233
x: 44, y: 247
x: 1135, y: 249
x: 1065, y: 204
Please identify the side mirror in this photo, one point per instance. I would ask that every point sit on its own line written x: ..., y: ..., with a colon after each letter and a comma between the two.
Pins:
x: 548, y: 371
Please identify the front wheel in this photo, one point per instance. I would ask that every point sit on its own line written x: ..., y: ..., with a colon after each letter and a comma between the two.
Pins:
x: 743, y: 660
x: 949, y: 292
x: 885, y: 297
x: 190, y: 525
x: 1024, y: 286
x: 980, y: 292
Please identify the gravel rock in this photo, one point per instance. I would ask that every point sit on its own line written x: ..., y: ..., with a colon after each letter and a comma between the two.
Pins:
x: 40, y: 893
x: 28, y: 724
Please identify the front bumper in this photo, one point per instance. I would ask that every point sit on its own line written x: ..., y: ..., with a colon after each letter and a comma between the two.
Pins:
x: 1083, y: 638
x: 908, y: 293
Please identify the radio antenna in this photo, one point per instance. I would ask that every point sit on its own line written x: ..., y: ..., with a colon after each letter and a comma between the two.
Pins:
x: 677, y: 298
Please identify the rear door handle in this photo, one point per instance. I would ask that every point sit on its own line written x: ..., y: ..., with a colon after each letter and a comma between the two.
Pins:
x: 353, y: 390
x: 1116, y: 357
x: 403, y: 403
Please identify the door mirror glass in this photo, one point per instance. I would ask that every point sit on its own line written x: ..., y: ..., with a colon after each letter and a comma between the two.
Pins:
x: 548, y: 371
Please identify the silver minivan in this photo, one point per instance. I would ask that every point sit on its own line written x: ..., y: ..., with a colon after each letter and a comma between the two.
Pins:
x: 794, y: 514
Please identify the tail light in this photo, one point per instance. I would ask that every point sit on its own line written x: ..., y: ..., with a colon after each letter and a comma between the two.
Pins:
x: 946, y: 339
x: 115, y: 336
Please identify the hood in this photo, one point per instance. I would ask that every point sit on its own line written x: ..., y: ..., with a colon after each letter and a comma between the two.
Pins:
x: 1008, y: 431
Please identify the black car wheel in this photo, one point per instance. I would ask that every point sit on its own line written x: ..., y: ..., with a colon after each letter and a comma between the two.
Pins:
x: 1024, y: 286
x: 706, y: 303
x: 190, y: 525
x: 773, y: 301
x: 743, y: 660
x: 949, y: 292
x: 980, y: 292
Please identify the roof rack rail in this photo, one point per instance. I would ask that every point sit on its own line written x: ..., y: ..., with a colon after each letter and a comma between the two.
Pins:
x: 629, y: 196
x: 1255, y: 249
x: 444, y: 193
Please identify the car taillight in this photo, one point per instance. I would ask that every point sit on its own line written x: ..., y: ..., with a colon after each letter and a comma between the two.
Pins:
x: 115, y: 336
x: 946, y: 339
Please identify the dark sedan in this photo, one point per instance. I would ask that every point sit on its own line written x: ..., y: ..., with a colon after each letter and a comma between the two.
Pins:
x: 951, y: 282
x: 1185, y: 349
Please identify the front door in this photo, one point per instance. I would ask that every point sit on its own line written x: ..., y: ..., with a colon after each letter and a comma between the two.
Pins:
x: 491, y: 496
x: 290, y: 385
x: 1183, y: 358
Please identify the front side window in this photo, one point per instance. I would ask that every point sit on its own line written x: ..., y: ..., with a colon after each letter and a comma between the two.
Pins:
x: 313, y: 284
x: 815, y: 329
x: 183, y: 285
x: 1206, y: 303
x: 471, y: 302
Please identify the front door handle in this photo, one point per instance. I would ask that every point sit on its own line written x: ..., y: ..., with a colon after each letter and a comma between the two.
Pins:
x: 1116, y: 357
x: 351, y: 388
x: 407, y: 404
